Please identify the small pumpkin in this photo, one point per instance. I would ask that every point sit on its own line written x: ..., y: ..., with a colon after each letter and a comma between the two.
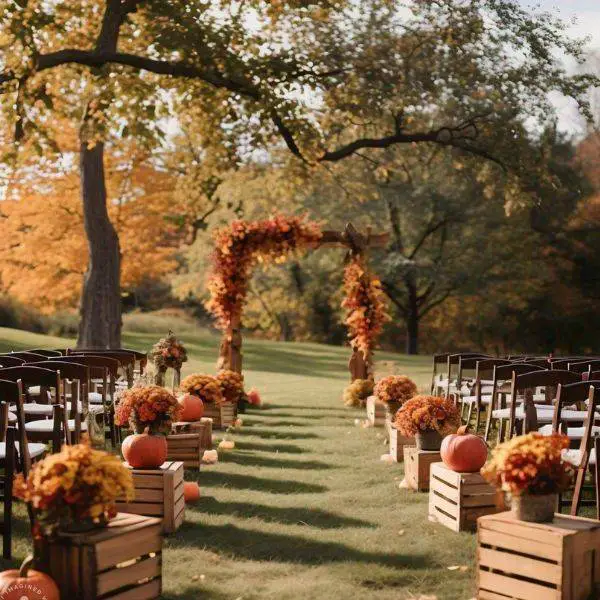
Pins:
x: 144, y: 450
x: 191, y: 491
x: 464, y: 452
x: 192, y: 407
x: 26, y: 582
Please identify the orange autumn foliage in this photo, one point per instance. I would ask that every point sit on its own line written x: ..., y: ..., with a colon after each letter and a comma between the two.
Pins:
x: 43, y: 248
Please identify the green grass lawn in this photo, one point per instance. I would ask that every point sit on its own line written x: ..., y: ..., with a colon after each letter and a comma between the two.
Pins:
x: 303, y: 507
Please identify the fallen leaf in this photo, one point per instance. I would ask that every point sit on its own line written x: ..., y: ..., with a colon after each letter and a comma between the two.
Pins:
x: 453, y: 568
x: 401, y: 532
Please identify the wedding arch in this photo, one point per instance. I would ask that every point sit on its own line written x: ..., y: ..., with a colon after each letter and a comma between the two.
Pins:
x: 240, y: 246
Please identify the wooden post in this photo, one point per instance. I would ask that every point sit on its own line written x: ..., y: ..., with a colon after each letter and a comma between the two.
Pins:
x: 359, y: 368
x: 230, y: 352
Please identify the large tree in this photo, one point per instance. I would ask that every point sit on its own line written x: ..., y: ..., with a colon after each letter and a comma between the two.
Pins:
x: 314, y: 75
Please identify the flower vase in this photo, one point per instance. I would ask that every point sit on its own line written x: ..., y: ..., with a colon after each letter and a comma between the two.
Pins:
x: 429, y: 440
x: 534, y: 508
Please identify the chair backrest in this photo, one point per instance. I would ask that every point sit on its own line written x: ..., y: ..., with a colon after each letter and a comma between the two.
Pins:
x: 544, y: 363
x: 139, y: 357
x: 44, y: 352
x: 12, y: 392
x: 584, y: 366
x: 484, y: 368
x: 68, y: 370
x: 112, y: 365
x: 594, y: 376
x: 505, y: 372
x: 534, y: 379
x: 32, y: 376
x: 28, y: 356
x: 572, y: 393
x: 10, y: 361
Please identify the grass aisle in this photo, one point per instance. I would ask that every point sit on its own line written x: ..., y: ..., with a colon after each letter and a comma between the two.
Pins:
x: 304, y: 508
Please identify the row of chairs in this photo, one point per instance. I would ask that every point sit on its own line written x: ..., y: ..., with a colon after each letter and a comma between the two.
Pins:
x: 49, y: 398
x: 523, y: 394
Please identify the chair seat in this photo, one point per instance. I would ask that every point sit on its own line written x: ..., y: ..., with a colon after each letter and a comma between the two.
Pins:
x: 574, y: 433
x: 45, y: 410
x: 574, y: 457
x: 544, y: 413
x: 96, y: 398
x: 485, y: 399
x: 35, y: 450
x: 47, y: 425
x: 12, y: 418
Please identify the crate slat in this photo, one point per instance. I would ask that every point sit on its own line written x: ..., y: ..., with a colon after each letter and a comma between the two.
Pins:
x: 117, y: 578
x: 376, y: 412
x: 397, y: 444
x: 515, y: 588
x: 416, y: 467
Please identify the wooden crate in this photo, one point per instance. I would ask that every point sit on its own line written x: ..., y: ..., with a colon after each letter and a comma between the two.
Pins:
x: 203, y: 427
x: 534, y: 561
x: 222, y: 416
x: 121, y: 561
x: 158, y: 493
x: 397, y: 444
x: 376, y: 412
x: 457, y: 500
x: 188, y: 441
x: 416, y: 467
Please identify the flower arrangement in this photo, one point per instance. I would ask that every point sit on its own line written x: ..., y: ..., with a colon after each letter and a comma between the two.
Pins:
x: 365, y: 305
x: 427, y: 413
x: 395, y: 390
x: 206, y: 387
x: 239, y: 247
x: 149, y: 407
x: 168, y: 353
x: 357, y: 392
x: 232, y: 385
x: 254, y: 398
x: 530, y: 464
x: 74, y: 486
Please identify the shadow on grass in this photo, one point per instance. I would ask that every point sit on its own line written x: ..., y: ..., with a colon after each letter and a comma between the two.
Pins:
x: 249, y: 482
x: 269, y: 434
x: 246, y: 544
x: 297, y: 416
x: 319, y: 519
x: 279, y: 448
x: 276, y: 463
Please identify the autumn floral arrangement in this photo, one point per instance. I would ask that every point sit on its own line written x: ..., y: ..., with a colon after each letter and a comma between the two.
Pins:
x: 395, y: 390
x: 427, y: 413
x: 232, y: 385
x: 364, y: 302
x: 206, y: 387
x: 148, y: 407
x: 168, y: 353
x: 75, y: 487
x: 239, y: 247
x: 356, y: 394
x: 530, y: 464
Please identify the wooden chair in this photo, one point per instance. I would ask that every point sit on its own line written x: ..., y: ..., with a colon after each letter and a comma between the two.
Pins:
x: 524, y: 385
x: 585, y: 366
x: 27, y: 356
x: 501, y: 379
x: 125, y: 358
x: 140, y: 357
x: 544, y: 363
x: 587, y: 436
x: 45, y: 378
x: 452, y: 363
x: 104, y: 370
x: 44, y: 352
x: 480, y: 395
x: 7, y: 463
x: 438, y: 382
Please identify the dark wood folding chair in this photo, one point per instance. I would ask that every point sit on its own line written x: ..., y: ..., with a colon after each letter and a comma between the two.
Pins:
x: 438, y: 383
x: 7, y: 463
x: 125, y: 358
x: 27, y: 356
x: 501, y: 381
x: 452, y: 363
x: 10, y: 361
x: 584, y: 366
x: 524, y: 385
x: 44, y: 352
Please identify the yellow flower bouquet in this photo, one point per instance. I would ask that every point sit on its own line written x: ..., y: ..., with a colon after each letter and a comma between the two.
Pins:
x: 206, y: 387
x: 74, y: 487
x: 232, y: 385
x: 530, y: 464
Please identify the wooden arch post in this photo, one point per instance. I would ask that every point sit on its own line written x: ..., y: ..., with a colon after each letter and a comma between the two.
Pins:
x: 357, y: 244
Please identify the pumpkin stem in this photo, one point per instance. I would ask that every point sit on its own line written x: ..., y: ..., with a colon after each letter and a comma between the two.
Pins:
x: 25, y: 566
x: 462, y: 430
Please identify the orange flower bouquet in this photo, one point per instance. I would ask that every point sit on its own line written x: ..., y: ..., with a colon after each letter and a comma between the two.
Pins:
x: 169, y: 353
x: 74, y: 488
x: 395, y: 390
x: 206, y: 387
x: 232, y: 385
x: 150, y: 407
x: 429, y: 419
x: 530, y: 464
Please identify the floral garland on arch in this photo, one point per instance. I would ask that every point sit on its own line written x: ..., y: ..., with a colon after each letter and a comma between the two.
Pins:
x: 366, y: 310
x: 239, y: 247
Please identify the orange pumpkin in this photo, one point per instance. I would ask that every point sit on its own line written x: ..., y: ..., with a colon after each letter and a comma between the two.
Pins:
x: 464, y: 452
x: 144, y: 451
x: 192, y: 407
x: 191, y: 491
x: 27, y: 583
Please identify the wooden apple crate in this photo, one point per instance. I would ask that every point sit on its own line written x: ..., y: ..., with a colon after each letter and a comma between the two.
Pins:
x: 538, y: 561
x: 397, y: 444
x: 376, y: 413
x: 203, y: 428
x: 158, y: 493
x: 416, y: 467
x: 457, y: 500
x: 222, y: 416
x: 188, y: 441
x: 121, y: 561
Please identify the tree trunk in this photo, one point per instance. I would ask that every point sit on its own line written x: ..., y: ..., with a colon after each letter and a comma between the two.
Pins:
x: 100, y: 309
x: 412, y: 321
